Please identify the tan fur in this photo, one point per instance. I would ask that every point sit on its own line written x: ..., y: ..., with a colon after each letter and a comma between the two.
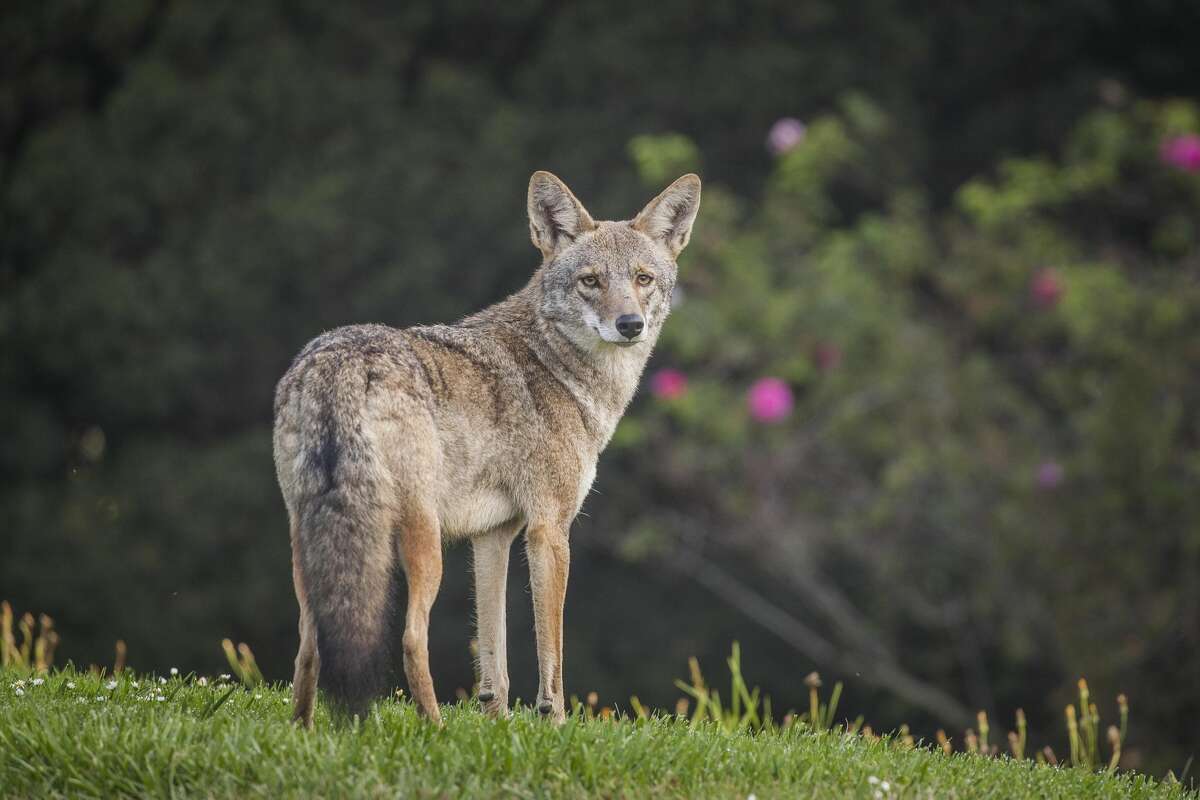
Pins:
x: 388, y: 443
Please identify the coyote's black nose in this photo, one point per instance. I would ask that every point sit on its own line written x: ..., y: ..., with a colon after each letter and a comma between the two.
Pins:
x: 630, y: 325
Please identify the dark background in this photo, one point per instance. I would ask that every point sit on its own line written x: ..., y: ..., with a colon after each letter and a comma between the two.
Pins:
x: 976, y: 273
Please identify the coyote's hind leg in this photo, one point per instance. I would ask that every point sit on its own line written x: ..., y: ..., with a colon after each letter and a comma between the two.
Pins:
x: 308, y: 660
x: 420, y: 548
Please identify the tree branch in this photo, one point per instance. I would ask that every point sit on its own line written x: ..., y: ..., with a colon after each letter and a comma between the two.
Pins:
x: 872, y: 667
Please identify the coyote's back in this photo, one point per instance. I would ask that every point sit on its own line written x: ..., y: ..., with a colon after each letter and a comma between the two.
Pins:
x: 389, y: 441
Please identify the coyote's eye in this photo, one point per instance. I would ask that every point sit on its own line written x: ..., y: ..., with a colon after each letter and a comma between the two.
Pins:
x: 645, y: 279
x: 590, y: 281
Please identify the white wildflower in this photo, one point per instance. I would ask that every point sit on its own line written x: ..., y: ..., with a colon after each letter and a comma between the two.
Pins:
x: 110, y: 685
x: 38, y: 681
x: 18, y: 691
x: 160, y: 698
x: 80, y: 699
x: 174, y: 670
x: 873, y: 780
x: 19, y: 685
x: 162, y: 680
x: 885, y: 786
x: 70, y: 684
x: 100, y: 698
x: 202, y: 681
x: 258, y: 697
x: 224, y: 676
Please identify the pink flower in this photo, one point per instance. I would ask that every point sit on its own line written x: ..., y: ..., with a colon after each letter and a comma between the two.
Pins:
x: 667, y: 384
x: 785, y: 134
x: 1182, y: 152
x: 770, y: 400
x: 1049, y: 475
x: 827, y: 355
x: 1045, y: 290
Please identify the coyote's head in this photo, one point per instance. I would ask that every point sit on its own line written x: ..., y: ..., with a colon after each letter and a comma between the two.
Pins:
x: 608, y: 284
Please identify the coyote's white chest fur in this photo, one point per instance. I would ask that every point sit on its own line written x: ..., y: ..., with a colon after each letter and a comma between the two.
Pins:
x: 475, y: 512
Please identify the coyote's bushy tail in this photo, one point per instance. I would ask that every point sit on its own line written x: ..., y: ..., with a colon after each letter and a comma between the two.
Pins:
x: 345, y: 547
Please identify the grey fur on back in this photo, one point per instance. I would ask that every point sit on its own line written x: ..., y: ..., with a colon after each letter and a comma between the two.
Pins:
x: 498, y: 419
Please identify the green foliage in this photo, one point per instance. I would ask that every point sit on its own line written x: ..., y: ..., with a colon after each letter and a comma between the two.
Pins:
x: 1083, y: 729
x: 663, y: 158
x: 989, y: 419
x: 746, y: 709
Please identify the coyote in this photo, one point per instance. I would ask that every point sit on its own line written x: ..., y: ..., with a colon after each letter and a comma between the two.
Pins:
x: 389, y: 443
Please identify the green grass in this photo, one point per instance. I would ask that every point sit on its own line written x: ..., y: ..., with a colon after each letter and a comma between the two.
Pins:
x: 81, y: 735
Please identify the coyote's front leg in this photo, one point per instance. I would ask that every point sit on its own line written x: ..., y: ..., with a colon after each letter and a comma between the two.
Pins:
x: 491, y: 581
x: 549, y: 563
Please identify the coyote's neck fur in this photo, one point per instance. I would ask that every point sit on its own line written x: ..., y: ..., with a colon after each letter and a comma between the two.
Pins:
x: 602, y: 377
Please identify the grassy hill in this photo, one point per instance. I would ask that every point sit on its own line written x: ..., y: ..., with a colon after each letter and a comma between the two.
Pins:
x: 83, y: 735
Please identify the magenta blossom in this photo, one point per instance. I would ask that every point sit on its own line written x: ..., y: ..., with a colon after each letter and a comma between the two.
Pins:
x: 1049, y: 475
x: 785, y: 134
x: 770, y: 400
x: 1045, y: 290
x: 1182, y: 152
x: 667, y: 384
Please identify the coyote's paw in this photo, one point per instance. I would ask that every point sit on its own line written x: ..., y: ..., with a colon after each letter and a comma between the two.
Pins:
x: 432, y: 714
x: 552, y: 711
x: 494, y: 705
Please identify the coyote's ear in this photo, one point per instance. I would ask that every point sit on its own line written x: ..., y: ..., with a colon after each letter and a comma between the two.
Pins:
x: 669, y: 217
x: 556, y: 218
